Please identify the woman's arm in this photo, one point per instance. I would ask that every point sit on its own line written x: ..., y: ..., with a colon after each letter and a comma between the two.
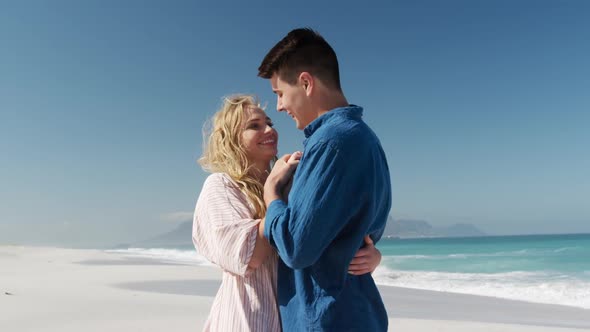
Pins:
x: 262, y: 249
x: 224, y: 230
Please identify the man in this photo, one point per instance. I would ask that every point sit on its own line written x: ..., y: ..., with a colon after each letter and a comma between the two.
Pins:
x: 340, y: 192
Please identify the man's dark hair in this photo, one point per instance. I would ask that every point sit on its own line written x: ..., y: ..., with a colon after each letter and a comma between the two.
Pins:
x: 302, y: 50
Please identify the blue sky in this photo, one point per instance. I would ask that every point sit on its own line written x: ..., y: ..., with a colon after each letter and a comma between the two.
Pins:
x: 482, y: 108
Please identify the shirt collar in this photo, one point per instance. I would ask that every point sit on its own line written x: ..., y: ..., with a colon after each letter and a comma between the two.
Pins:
x: 350, y: 111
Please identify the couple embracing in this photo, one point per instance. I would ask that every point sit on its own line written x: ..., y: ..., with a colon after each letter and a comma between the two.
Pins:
x: 295, y: 242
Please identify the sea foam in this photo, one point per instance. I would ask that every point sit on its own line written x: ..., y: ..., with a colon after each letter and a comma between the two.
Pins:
x: 190, y: 257
x: 538, y: 287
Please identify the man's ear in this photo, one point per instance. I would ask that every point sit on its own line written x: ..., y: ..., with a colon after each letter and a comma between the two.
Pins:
x: 306, y: 81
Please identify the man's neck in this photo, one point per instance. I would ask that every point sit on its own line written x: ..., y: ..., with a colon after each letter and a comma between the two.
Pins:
x: 332, y: 101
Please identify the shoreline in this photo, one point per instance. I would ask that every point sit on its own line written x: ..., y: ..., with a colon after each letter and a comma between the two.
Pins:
x: 54, y: 289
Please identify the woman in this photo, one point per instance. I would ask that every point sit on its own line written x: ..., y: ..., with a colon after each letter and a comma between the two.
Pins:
x: 239, y: 151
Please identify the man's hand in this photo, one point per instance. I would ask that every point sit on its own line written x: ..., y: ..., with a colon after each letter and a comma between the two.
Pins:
x: 280, y: 176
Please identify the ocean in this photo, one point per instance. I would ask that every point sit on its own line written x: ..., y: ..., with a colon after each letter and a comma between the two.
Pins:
x: 552, y: 269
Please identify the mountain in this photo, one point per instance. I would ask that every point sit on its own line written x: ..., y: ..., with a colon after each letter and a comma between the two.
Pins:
x: 408, y: 228
x: 460, y: 230
x: 179, y: 236
x: 397, y: 228
x: 405, y: 228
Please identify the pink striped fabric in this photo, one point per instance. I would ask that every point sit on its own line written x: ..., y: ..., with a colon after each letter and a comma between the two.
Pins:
x: 225, y: 233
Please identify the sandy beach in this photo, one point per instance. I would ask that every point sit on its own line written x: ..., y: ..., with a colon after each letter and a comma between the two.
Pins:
x: 52, y: 289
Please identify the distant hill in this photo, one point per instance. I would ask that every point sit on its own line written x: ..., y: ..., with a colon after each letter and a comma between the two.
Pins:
x: 401, y: 228
x: 460, y: 230
x: 408, y: 228
x: 179, y: 236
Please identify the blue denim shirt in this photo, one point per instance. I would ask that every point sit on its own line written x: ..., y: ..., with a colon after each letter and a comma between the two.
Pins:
x: 341, y: 192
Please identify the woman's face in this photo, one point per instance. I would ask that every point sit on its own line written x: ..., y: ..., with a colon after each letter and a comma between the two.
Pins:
x: 259, y: 138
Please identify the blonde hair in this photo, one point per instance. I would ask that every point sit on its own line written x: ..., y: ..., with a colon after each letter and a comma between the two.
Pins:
x: 223, y: 151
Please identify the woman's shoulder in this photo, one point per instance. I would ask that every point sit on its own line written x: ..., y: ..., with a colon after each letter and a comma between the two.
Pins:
x: 220, y: 180
x: 222, y: 186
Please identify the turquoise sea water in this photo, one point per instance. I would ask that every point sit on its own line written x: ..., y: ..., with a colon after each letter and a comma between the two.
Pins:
x: 568, y: 254
x: 538, y: 268
x: 551, y: 269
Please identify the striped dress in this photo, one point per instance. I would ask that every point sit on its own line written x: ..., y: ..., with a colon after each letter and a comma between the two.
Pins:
x: 225, y: 233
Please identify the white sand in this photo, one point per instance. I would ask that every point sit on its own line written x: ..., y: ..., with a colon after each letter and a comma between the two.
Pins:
x: 67, y: 290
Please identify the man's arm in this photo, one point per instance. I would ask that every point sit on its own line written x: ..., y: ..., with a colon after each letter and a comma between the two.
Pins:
x: 325, y: 196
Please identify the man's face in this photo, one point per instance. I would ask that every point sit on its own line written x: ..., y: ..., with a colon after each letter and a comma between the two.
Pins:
x: 293, y: 100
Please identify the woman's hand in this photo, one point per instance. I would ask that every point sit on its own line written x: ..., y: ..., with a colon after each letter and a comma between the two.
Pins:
x: 366, y: 259
x: 280, y: 176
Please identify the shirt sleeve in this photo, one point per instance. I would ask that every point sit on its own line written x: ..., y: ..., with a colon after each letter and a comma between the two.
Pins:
x: 325, y: 196
x: 224, y: 231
